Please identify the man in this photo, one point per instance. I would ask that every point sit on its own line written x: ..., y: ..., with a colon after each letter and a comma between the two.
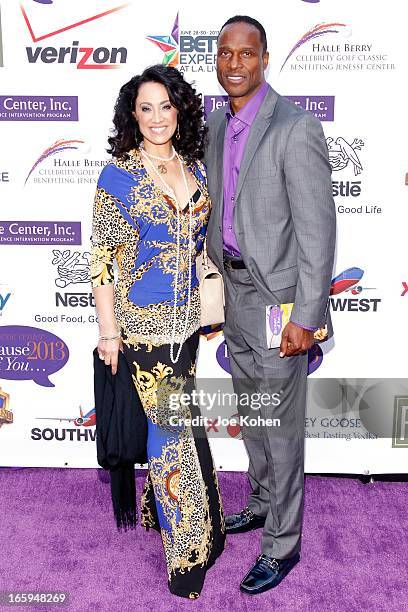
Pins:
x: 272, y: 232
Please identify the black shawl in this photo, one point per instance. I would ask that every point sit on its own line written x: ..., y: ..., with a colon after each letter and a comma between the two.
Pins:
x: 121, y: 435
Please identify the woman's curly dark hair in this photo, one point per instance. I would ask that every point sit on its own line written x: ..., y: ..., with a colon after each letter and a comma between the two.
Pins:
x: 182, y: 96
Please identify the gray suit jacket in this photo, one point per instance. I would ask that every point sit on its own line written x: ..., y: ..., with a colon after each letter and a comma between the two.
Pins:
x: 284, y: 216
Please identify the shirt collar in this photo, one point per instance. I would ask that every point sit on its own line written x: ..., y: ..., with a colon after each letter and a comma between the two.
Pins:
x: 248, y: 113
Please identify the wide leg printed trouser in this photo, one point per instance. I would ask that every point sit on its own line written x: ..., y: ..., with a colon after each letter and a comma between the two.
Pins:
x: 181, y: 498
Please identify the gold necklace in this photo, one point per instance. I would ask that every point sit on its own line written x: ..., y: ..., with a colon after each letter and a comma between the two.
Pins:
x: 161, y: 167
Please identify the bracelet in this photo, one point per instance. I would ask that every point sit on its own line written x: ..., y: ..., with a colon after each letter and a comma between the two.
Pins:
x: 109, y: 337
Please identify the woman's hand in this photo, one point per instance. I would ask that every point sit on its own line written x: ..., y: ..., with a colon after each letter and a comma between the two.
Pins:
x: 108, y: 328
x: 108, y: 350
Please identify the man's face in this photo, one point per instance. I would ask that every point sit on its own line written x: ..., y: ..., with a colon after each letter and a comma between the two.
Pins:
x: 241, y: 61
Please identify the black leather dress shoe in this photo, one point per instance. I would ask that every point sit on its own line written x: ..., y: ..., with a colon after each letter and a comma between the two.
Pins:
x: 267, y: 573
x: 246, y: 520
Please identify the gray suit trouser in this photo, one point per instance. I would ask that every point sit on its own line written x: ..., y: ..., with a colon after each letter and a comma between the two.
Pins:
x: 276, y: 454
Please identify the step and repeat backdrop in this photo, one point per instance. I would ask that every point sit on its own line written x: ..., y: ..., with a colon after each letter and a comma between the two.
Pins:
x: 62, y: 64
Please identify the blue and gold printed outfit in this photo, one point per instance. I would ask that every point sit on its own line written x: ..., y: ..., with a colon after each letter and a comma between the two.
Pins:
x: 135, y: 223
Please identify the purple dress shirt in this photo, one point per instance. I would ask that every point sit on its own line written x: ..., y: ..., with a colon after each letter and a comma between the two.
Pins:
x: 236, y: 137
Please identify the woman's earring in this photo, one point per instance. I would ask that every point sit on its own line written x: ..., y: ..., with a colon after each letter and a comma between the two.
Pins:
x: 178, y: 132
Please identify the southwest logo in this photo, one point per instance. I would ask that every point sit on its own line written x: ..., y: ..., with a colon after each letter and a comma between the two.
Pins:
x: 321, y: 29
x: 348, y: 281
x: 81, y: 432
x: 169, y: 44
x: 83, y: 57
x: 83, y: 420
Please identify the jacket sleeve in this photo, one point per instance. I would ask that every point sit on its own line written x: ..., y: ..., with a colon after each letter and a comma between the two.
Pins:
x: 308, y: 182
x: 110, y: 230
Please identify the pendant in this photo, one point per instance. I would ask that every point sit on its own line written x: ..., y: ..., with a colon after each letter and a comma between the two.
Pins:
x: 162, y: 169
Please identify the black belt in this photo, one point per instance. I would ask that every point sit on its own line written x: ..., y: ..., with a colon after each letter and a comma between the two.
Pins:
x: 232, y: 264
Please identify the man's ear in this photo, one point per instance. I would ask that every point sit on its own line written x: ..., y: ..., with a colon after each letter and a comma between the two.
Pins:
x: 265, y: 59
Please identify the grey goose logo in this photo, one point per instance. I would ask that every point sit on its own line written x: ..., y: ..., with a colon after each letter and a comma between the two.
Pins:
x: 400, y: 429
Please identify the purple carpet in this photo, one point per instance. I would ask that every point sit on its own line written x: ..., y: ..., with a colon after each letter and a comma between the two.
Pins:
x: 58, y: 534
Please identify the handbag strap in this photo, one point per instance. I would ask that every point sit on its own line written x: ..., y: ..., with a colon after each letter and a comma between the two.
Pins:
x: 205, y: 255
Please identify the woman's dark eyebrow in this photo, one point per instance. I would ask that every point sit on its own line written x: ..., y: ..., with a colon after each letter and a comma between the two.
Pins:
x: 149, y: 103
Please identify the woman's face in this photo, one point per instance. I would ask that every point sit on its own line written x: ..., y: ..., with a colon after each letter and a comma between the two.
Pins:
x: 156, y: 117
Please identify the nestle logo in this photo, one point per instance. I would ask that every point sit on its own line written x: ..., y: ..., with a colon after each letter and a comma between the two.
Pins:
x: 346, y: 188
x: 73, y: 300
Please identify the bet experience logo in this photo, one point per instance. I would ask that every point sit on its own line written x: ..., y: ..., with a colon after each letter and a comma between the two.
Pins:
x: 188, y: 50
x: 348, y: 281
x: 83, y: 57
x: 308, y: 55
x: 54, y: 166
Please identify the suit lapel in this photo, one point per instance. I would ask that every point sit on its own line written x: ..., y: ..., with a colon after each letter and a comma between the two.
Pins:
x: 260, y: 125
x: 219, y: 161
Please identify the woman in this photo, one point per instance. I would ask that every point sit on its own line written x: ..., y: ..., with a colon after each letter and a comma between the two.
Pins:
x: 150, y: 215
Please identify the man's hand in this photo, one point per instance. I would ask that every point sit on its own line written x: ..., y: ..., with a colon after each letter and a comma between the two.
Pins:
x: 295, y: 340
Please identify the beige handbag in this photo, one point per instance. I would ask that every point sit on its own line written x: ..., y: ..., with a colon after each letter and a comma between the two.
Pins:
x: 211, y: 290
